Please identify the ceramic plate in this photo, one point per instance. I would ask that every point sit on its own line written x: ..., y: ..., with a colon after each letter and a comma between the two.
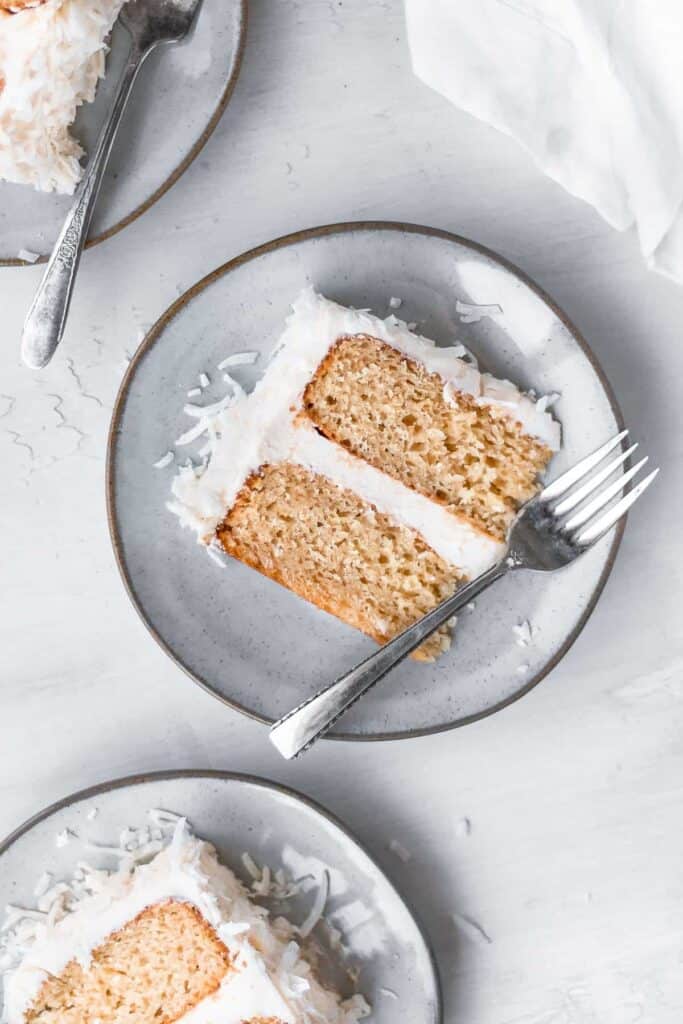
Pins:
x: 178, y: 99
x: 251, y: 642
x: 277, y: 827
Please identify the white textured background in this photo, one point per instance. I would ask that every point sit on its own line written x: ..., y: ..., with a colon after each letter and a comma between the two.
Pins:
x: 574, y: 864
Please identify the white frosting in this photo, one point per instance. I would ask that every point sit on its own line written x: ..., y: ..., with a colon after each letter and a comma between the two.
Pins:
x: 272, y: 980
x: 262, y: 428
x: 51, y: 58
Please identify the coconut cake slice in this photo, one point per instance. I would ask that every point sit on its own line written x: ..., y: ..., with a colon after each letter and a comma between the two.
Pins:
x: 176, y: 939
x: 52, y: 55
x: 370, y: 471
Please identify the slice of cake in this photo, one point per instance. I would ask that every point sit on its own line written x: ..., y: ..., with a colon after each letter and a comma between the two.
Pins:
x: 52, y: 55
x: 370, y: 471
x: 174, y: 940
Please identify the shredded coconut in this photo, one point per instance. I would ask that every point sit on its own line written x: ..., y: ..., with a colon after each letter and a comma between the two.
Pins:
x: 27, y: 256
x: 203, y: 380
x: 395, y: 303
x: 215, y: 556
x: 523, y: 633
x: 388, y: 992
x: 239, y: 359
x: 237, y: 389
x: 51, y: 58
x: 318, y: 908
x: 399, y: 849
x: 471, y: 313
x: 164, y: 461
x: 182, y: 867
x: 545, y: 401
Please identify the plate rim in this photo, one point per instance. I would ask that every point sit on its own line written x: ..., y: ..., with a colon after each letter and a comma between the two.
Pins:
x: 188, y: 159
x: 156, y: 331
x: 126, y: 781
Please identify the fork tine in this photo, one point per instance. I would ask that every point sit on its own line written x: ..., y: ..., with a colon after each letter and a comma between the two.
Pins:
x: 577, y: 472
x: 608, y: 519
x: 577, y: 496
x: 602, y: 499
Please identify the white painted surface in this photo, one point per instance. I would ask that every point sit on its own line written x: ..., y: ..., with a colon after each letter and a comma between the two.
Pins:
x: 573, y: 863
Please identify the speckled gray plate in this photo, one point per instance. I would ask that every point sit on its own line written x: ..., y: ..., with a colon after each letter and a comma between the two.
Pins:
x: 248, y: 640
x: 177, y: 102
x: 278, y: 827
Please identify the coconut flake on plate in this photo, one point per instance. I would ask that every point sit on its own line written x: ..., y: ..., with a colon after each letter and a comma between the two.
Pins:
x: 399, y: 849
x: 164, y: 461
x: 251, y: 866
x: 64, y: 837
x: 523, y: 633
x: 246, y: 358
x: 237, y: 389
x: 215, y: 555
x: 316, y: 912
x: 388, y: 992
x: 546, y: 401
x: 28, y: 256
x: 472, y: 312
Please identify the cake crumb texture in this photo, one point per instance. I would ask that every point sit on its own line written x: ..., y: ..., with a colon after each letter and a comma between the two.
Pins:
x: 389, y: 410
x: 152, y: 971
x: 330, y: 547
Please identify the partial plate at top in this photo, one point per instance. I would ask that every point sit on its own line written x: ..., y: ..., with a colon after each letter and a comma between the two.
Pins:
x: 178, y: 99
x: 246, y: 639
x: 279, y: 828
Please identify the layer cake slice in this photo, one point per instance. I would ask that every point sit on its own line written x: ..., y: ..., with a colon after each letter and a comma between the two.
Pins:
x: 370, y: 471
x: 176, y: 939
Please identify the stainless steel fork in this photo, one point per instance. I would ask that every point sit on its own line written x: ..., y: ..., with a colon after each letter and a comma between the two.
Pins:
x: 150, y: 23
x: 562, y: 522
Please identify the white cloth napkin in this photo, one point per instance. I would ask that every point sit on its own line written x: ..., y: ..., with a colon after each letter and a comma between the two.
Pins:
x: 592, y: 88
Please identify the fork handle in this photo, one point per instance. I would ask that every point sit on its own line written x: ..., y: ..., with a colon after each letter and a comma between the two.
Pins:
x: 299, y: 729
x: 44, y: 324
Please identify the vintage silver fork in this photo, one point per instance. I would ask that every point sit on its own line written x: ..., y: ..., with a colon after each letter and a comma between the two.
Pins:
x: 150, y: 23
x: 550, y: 531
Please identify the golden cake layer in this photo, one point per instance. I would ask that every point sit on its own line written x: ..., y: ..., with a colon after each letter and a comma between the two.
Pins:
x: 389, y: 410
x: 153, y: 970
x: 335, y: 550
